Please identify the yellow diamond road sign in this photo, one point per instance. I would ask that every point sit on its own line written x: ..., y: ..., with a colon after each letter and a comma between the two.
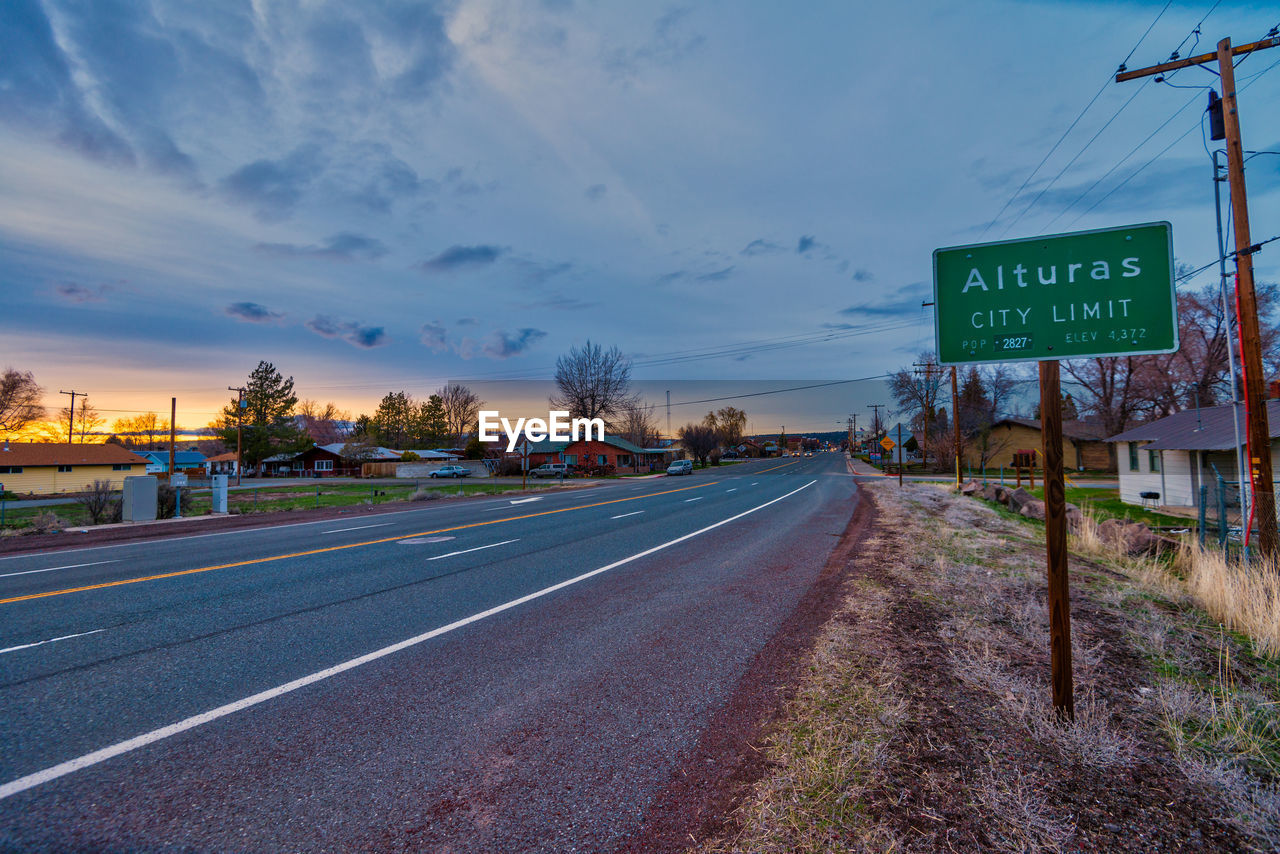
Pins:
x: 887, y: 443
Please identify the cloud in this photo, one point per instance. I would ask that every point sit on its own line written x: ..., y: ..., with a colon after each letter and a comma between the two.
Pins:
x: 667, y: 46
x: 274, y: 187
x: 344, y: 246
x: 435, y: 337
x: 349, y: 331
x: 760, y: 246
x: 595, y: 192
x: 905, y: 301
x: 716, y: 276
x: 72, y: 292
x: 559, y: 302
x: 462, y: 257
x: 806, y: 243
x: 253, y: 312
x: 504, y: 345
x: 668, y: 278
x: 467, y: 321
x: 863, y: 276
x: 540, y: 271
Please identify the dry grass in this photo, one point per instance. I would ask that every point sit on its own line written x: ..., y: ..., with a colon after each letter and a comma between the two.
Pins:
x: 1245, y: 599
x: 1023, y: 819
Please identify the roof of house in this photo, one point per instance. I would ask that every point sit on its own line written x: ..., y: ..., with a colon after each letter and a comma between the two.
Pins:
x: 379, y: 453
x: 179, y: 457
x: 65, y: 454
x: 549, y: 447
x: 228, y: 457
x: 1072, y: 429
x: 431, y: 454
x: 1210, y: 428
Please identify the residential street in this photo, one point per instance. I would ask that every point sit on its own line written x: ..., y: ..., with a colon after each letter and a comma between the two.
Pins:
x: 505, y: 674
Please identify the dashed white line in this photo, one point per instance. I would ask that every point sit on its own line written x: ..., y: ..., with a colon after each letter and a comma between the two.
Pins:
x: 88, y: 760
x: 357, y: 528
x: 687, y: 500
x: 52, y: 568
x: 50, y: 640
x: 625, y: 515
x: 476, y: 549
x: 754, y: 482
x: 735, y: 489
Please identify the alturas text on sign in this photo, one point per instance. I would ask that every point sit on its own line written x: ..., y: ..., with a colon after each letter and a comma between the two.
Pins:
x: 1066, y: 296
x: 557, y: 427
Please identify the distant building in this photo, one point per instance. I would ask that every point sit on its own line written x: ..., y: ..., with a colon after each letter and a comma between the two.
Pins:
x: 158, y: 461
x: 1084, y: 445
x: 612, y: 455
x: 51, y: 467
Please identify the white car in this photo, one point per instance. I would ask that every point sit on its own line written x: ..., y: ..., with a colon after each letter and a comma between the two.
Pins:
x: 452, y: 471
x: 680, y: 467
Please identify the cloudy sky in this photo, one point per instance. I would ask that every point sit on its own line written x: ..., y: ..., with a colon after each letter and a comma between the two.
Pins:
x: 385, y: 195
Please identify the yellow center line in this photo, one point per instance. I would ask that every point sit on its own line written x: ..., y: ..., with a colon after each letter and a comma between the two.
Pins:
x: 337, y: 548
x: 771, y: 468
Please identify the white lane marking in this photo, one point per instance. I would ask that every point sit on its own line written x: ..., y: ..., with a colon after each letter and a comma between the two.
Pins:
x: 476, y: 549
x: 526, y: 500
x: 687, y: 500
x: 754, y: 482
x: 90, y: 759
x: 625, y: 515
x: 735, y: 489
x: 50, y: 640
x: 357, y: 528
x: 52, y: 568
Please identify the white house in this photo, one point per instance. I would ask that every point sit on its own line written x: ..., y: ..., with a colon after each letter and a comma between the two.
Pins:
x: 1172, y: 457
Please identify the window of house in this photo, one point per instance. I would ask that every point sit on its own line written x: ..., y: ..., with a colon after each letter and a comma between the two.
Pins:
x: 122, y: 467
x: 64, y: 468
x: 1153, y: 461
x: 624, y: 459
x: 571, y: 459
x: 10, y: 469
x: 1133, y: 456
x: 604, y: 461
x: 324, y: 465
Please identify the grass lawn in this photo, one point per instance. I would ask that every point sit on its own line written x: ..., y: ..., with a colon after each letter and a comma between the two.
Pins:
x: 274, y: 499
x: 1106, y: 504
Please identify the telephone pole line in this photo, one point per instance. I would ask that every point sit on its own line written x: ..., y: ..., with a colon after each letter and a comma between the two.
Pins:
x: 239, y: 390
x: 71, y: 422
x: 1255, y: 398
x: 876, y: 425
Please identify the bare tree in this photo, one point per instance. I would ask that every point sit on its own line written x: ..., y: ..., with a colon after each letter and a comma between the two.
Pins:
x: 143, y: 431
x: 19, y: 400
x: 325, y: 424
x: 729, y: 424
x: 89, y: 420
x: 699, y: 440
x: 917, y: 394
x: 461, y: 410
x: 639, y: 426
x: 594, y: 383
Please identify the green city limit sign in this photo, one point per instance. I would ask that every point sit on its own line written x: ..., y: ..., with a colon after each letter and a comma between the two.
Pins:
x: 1067, y: 296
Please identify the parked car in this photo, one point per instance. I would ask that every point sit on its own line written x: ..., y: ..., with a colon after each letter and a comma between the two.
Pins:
x: 552, y: 470
x: 452, y: 471
x: 680, y: 467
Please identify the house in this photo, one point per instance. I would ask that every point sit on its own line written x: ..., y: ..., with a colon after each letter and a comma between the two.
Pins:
x: 221, y: 464
x: 158, y: 461
x: 1174, y: 456
x: 612, y: 455
x: 327, y: 461
x: 749, y: 448
x: 50, y: 467
x: 1083, y: 445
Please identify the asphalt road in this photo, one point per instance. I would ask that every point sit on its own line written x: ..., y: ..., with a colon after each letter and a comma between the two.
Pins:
x: 483, y: 675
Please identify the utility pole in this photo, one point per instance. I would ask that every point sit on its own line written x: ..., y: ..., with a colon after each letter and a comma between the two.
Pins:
x: 1255, y: 400
x: 239, y: 390
x: 669, y: 414
x: 71, y: 422
x: 875, y: 418
x: 173, y: 433
x: 929, y: 394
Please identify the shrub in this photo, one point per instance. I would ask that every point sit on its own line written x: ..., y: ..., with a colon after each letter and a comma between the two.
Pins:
x: 44, y: 523
x: 96, y: 500
x: 409, y: 457
x: 425, y: 495
x: 166, y: 501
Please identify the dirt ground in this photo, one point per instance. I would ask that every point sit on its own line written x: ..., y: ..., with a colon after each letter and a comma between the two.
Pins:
x: 922, y: 720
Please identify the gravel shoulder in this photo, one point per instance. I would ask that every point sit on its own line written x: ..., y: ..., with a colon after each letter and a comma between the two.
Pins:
x: 921, y: 720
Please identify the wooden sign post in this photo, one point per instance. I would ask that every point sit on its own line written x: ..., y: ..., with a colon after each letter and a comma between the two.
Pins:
x: 1055, y: 535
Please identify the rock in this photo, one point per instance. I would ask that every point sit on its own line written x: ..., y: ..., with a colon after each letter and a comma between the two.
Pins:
x: 1074, y: 517
x: 1018, y: 498
x: 1033, y: 509
x: 990, y: 491
x: 970, y: 488
x: 1002, y: 494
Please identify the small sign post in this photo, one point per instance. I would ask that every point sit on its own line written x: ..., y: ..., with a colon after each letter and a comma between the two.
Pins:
x: 1091, y: 293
